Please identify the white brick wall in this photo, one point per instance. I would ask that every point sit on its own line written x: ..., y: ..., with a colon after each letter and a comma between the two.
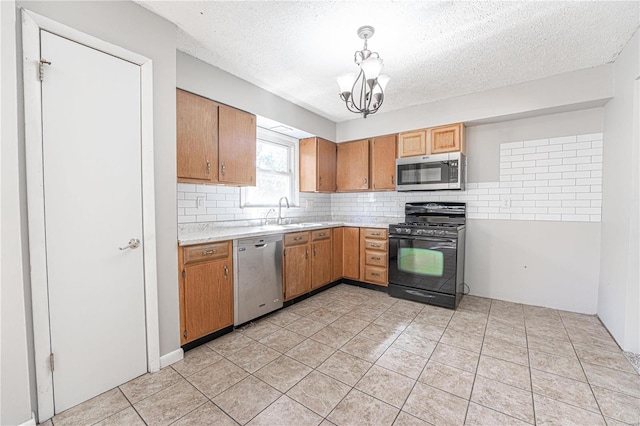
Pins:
x: 557, y: 179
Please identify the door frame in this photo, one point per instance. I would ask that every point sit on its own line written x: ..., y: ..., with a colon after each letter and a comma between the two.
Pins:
x: 32, y: 24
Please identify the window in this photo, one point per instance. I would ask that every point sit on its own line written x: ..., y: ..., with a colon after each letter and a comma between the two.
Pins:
x: 276, y: 177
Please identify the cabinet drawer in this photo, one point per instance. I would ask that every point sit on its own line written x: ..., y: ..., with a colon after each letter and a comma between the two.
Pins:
x: 204, y: 252
x: 296, y: 238
x: 375, y: 258
x: 375, y: 233
x: 375, y: 245
x: 320, y: 234
x: 375, y: 274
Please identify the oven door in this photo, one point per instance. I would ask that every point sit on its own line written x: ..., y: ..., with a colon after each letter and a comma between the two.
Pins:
x: 425, y: 263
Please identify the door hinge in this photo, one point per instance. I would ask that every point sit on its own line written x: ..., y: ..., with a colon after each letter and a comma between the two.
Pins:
x: 51, y: 362
x: 41, y: 68
x: 184, y: 273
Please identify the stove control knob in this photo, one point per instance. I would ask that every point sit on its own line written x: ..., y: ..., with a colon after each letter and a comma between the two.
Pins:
x: 430, y: 232
x: 399, y: 230
x: 407, y: 230
x: 418, y: 231
x: 441, y: 233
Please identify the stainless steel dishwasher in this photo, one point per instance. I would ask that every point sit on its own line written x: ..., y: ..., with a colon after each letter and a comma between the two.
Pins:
x: 257, y: 267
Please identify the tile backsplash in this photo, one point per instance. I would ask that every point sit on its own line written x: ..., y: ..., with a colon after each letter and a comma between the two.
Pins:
x: 213, y: 203
x: 555, y: 179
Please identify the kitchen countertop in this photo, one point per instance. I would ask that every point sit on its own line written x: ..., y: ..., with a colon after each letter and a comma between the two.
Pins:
x: 212, y: 234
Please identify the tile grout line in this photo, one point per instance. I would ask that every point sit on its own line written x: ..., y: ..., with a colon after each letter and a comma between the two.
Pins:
x: 583, y: 371
x: 475, y: 374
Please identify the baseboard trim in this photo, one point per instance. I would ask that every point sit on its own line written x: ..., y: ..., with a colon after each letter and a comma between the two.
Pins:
x: 30, y: 422
x: 171, y: 357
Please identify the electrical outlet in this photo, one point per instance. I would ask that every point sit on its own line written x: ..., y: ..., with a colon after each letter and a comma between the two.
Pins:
x: 505, y: 203
x: 200, y: 202
x: 308, y: 204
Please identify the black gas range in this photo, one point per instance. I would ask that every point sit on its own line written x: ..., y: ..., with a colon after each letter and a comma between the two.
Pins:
x: 426, y: 253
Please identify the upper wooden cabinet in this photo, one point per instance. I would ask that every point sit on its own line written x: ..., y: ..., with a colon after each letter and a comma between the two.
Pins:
x: 412, y: 143
x: 236, y: 146
x: 435, y: 140
x: 446, y: 139
x: 353, y: 166
x: 215, y: 143
x: 383, y: 163
x: 317, y: 165
x: 197, y: 136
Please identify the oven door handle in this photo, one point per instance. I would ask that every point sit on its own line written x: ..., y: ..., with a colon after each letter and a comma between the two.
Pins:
x: 421, y: 238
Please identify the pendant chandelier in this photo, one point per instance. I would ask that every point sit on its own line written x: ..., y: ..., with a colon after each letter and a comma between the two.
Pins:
x: 363, y: 93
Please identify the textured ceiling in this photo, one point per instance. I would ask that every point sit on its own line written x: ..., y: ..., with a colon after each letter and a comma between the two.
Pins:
x: 431, y: 50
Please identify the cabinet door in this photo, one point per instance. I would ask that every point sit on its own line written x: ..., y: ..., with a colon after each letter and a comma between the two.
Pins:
x: 351, y: 253
x: 308, y: 165
x: 236, y: 147
x: 445, y: 138
x: 297, y: 279
x: 353, y: 166
x: 197, y: 138
x: 320, y: 263
x: 337, y: 268
x: 412, y: 143
x: 327, y: 153
x: 224, y: 298
x: 202, y: 283
x: 383, y: 163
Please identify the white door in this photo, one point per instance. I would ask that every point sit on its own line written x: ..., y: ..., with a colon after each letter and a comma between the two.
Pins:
x: 93, y: 207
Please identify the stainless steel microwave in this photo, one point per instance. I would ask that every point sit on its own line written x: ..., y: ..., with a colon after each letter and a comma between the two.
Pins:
x: 431, y: 172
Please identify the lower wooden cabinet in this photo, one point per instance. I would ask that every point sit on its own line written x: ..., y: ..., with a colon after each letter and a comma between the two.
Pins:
x: 351, y: 253
x: 297, y: 271
x: 306, y: 262
x: 374, y: 256
x: 206, y: 289
x: 320, y: 258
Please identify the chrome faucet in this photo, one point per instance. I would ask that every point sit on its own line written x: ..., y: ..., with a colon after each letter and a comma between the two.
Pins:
x: 266, y: 216
x: 279, y: 221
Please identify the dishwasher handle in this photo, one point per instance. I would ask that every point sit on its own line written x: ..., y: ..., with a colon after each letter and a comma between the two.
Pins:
x: 259, y: 246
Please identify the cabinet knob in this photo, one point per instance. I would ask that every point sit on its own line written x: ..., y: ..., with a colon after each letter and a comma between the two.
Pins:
x: 391, y: 180
x: 226, y: 272
x: 314, y: 251
x: 208, y: 167
x: 306, y: 254
x: 320, y: 181
x: 222, y: 169
x: 365, y: 181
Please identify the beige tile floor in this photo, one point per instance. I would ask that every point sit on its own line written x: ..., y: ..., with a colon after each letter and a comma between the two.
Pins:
x: 352, y: 356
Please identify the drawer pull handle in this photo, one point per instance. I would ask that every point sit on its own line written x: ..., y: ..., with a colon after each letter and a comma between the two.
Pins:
x: 375, y: 233
x: 297, y: 238
x: 375, y: 274
x: 375, y: 257
x: 375, y: 245
x: 209, y: 252
x: 321, y: 234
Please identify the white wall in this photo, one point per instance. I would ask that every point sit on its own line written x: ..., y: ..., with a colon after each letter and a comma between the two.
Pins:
x: 581, y: 89
x: 543, y: 262
x: 132, y: 27
x: 15, y: 401
x: 618, y: 304
x: 206, y: 80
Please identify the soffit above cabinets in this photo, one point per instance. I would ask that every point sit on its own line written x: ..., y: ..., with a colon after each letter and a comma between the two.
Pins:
x: 432, y: 50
